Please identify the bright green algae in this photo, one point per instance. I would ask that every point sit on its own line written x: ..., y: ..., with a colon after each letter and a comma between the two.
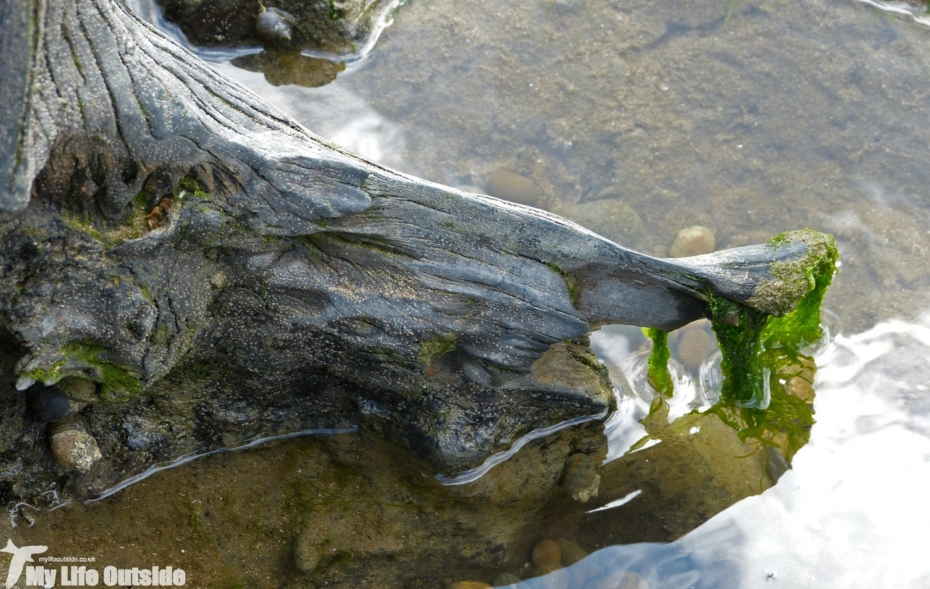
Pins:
x: 659, y: 376
x: 762, y: 352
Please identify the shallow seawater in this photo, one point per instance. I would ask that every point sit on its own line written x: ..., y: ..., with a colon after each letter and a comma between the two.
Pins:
x: 747, y: 117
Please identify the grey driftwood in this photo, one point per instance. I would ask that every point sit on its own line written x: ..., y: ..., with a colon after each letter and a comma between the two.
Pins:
x: 287, y: 285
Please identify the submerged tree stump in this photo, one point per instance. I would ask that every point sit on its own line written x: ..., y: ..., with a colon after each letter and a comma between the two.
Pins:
x: 201, y: 271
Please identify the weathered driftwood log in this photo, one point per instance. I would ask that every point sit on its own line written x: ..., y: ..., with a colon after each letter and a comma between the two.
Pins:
x: 200, y: 271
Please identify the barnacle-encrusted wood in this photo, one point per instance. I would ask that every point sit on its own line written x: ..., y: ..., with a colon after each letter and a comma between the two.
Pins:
x: 283, y: 284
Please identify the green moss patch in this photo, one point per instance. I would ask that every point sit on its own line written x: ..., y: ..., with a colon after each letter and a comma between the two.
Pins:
x: 191, y: 186
x: 133, y: 224
x: 116, y: 382
x: 571, y: 282
x: 435, y: 348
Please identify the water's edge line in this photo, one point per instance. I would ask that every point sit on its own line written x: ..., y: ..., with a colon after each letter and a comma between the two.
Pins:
x: 196, y: 455
x: 476, y: 473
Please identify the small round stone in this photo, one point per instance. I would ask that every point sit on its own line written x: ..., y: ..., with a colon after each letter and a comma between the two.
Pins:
x: 469, y: 585
x: 513, y: 187
x: 73, y: 448
x: 546, y: 552
x: 694, y: 346
x: 306, y: 552
x: 78, y: 389
x: 505, y: 579
x: 693, y: 241
x: 571, y: 551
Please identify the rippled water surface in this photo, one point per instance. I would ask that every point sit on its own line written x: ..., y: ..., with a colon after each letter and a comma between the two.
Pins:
x: 746, y: 117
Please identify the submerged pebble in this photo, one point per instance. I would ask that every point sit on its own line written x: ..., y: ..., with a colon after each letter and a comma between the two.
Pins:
x: 693, y: 241
x: 469, y: 585
x: 546, y: 552
x: 580, y: 477
x: 571, y: 551
x: 505, y: 579
x: 694, y: 346
x: 513, y: 187
x: 306, y: 552
x: 78, y: 389
x: 73, y: 447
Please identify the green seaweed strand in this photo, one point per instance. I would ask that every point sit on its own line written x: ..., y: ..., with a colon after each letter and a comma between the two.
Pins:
x: 659, y: 376
x: 739, y: 336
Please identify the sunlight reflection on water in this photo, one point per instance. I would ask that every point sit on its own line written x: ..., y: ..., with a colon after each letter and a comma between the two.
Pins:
x: 853, y: 508
x: 357, y: 127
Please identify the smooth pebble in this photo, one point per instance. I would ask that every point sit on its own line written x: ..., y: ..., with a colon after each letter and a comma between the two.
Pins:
x: 513, y: 187
x: 693, y: 241
x: 78, y: 389
x: 306, y: 552
x: 571, y: 551
x: 504, y: 579
x: 546, y: 552
x: 694, y: 346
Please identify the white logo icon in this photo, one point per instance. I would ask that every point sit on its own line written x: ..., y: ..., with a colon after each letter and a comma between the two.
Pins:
x: 20, y: 557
